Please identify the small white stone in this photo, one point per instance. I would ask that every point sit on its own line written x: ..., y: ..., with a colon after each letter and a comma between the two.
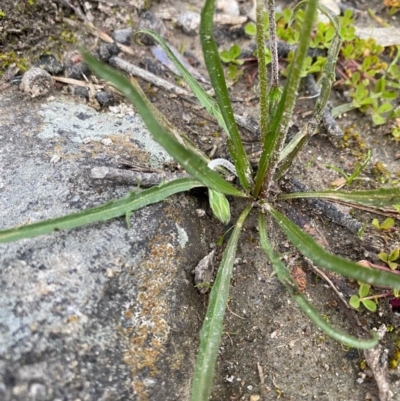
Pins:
x: 55, y: 159
x: 106, y: 141
x: 200, y: 212
x: 230, y: 7
x: 333, y: 5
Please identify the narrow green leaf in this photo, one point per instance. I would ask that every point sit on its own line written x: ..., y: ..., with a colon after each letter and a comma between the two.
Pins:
x: 284, y: 277
x: 220, y: 206
x: 211, y: 332
x: 188, y: 159
x: 290, y: 151
x: 342, y: 109
x: 180, y: 136
x: 374, y: 197
x: 310, y: 249
x: 359, y: 168
x: 216, y: 72
x: 280, y: 123
x: 202, y: 96
x: 133, y: 201
x: 325, y: 83
x: 325, y: 10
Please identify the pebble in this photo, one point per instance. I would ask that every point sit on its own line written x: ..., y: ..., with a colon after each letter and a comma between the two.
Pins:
x: 105, y: 98
x: 122, y: 35
x: 78, y: 71
x: 189, y: 22
x: 49, y: 63
x: 333, y: 5
x: 80, y: 91
x: 107, y: 50
x: 36, y: 82
x: 149, y: 20
x: 229, y: 7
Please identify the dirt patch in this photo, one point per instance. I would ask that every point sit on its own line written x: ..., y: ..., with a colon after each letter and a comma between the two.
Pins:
x: 269, y: 348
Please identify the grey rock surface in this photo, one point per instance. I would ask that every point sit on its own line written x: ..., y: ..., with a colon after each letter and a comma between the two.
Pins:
x: 101, y: 312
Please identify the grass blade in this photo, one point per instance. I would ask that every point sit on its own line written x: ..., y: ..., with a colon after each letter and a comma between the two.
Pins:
x: 214, y: 67
x: 310, y: 249
x: 202, y: 96
x: 179, y: 136
x: 189, y: 160
x: 211, y: 332
x: 133, y: 201
x: 285, y: 278
x: 374, y: 197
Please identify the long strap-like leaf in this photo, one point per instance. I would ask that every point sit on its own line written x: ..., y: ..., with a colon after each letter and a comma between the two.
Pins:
x: 279, y: 125
x: 133, y: 201
x: 285, y: 278
x: 309, y: 248
x: 374, y: 197
x: 189, y: 160
x: 214, y: 68
x: 202, y: 96
x: 211, y: 332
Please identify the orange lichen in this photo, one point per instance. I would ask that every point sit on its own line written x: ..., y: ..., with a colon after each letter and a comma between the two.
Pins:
x: 149, y: 331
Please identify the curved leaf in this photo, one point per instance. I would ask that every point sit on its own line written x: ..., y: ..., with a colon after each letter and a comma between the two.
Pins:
x: 285, y: 278
x: 133, y: 201
x: 310, y: 249
x: 189, y: 160
x: 214, y: 68
x: 202, y: 96
x: 374, y: 197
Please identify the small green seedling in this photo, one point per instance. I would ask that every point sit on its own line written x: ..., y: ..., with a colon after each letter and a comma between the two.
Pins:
x: 390, y: 258
x: 357, y: 171
x: 385, y: 225
x: 365, y: 74
x: 231, y: 57
x: 362, y: 298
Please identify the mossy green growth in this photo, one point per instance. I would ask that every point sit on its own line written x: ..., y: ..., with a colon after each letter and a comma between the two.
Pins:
x: 2, y: 14
x: 371, y: 83
x: 68, y: 36
x: 6, y: 59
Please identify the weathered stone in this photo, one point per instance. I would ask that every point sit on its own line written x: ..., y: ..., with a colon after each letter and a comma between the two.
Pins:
x: 101, y: 312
